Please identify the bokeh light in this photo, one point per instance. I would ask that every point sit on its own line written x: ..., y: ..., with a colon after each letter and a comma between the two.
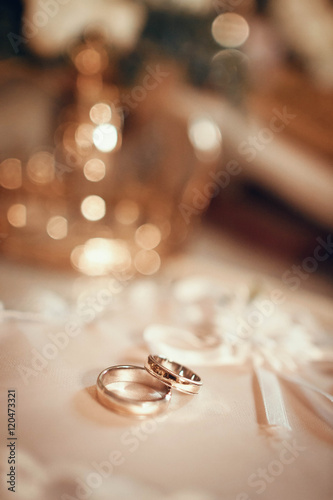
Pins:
x: 100, y: 113
x: 93, y: 208
x: 11, y: 173
x: 94, y: 170
x: 105, y: 137
x: 148, y: 236
x: 57, y: 227
x: 88, y: 61
x: 230, y: 29
x: 41, y: 167
x: 205, y: 135
x: 147, y: 262
x: 229, y: 69
x: 99, y: 256
x: 17, y: 215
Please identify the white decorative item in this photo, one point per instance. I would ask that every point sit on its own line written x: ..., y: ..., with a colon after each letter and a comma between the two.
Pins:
x: 276, y: 349
x: 50, y: 27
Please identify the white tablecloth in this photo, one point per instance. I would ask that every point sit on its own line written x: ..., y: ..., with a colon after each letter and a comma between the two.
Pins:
x: 210, y: 446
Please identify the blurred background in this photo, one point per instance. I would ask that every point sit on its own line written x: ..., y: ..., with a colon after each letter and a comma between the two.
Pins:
x: 131, y: 130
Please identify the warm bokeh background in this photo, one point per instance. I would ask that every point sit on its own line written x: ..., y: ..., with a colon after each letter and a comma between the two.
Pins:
x: 239, y: 73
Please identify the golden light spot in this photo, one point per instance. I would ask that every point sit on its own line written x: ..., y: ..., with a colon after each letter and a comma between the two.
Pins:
x: 147, y: 262
x: 105, y: 137
x: 88, y: 61
x: 94, y: 170
x: 99, y: 256
x: 100, y: 113
x: 148, y: 236
x: 57, y: 227
x: 93, y: 208
x: 11, y: 173
x: 17, y: 215
x: 205, y: 136
x: 230, y: 29
x: 126, y: 212
x: 40, y: 167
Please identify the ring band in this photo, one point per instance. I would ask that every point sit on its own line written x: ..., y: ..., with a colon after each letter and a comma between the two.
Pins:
x: 145, y: 396
x: 173, y: 374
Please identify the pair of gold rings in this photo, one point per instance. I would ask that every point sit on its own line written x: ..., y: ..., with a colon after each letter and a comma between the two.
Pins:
x: 141, y: 392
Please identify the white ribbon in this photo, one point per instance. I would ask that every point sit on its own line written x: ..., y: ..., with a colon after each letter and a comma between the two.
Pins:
x: 272, y: 398
x: 276, y: 349
x: 317, y: 403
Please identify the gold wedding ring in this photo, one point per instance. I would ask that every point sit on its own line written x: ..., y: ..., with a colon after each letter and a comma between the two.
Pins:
x: 130, y: 390
x: 173, y: 374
